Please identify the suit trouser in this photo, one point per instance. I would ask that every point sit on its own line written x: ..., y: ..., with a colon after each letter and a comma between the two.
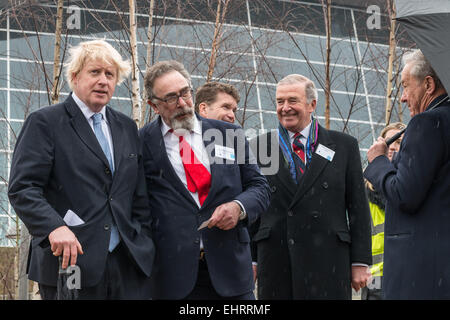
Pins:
x: 204, y: 290
x: 121, y: 280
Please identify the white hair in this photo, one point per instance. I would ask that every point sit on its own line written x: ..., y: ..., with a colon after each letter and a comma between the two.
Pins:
x: 310, y: 88
x: 420, y: 67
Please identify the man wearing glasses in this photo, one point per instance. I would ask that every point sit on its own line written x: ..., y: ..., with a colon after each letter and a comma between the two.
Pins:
x: 204, y: 191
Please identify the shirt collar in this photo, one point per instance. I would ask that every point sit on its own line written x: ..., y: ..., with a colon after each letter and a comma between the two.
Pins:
x: 304, y: 132
x: 88, y: 113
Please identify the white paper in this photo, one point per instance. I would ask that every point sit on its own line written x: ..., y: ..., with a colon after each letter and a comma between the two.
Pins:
x: 203, y: 225
x: 224, y: 152
x: 325, y: 152
x: 72, y: 219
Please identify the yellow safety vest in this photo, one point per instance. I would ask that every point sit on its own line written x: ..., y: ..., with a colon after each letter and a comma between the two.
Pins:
x: 378, y: 216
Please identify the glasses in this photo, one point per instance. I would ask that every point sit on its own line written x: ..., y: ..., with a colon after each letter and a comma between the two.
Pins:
x: 172, y: 99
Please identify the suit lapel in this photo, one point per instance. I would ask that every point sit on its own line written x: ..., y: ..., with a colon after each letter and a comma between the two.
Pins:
x: 315, y: 168
x: 117, y: 136
x: 83, y: 129
x: 156, y: 144
x: 215, y: 169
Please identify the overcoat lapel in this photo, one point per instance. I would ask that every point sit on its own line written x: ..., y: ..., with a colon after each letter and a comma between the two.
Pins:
x: 284, y: 175
x: 315, y: 168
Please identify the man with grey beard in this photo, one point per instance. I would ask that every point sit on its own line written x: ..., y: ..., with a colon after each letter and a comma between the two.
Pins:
x: 204, y: 191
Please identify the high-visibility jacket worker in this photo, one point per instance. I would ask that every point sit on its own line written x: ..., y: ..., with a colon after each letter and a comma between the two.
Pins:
x: 377, y: 211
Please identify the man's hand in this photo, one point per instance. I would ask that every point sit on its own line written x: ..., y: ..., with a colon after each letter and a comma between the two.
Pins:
x: 360, y: 276
x: 378, y: 148
x: 255, y: 272
x: 63, y: 241
x: 226, y: 216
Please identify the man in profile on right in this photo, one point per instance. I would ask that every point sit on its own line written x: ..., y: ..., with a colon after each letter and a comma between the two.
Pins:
x: 416, y: 186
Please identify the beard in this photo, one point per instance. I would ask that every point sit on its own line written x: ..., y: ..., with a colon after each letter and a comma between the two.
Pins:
x: 186, y: 123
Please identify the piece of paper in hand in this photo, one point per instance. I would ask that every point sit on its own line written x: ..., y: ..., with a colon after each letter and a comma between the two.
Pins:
x: 72, y: 219
x: 203, y: 225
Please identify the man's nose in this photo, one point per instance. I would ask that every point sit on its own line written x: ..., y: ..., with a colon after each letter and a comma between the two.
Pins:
x: 403, y: 98
x: 181, y: 102
x: 285, y: 107
x: 102, y: 78
x: 231, y: 115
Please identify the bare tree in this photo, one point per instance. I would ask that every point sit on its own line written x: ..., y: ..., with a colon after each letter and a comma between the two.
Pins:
x: 135, y: 96
x: 220, y: 16
x: 148, y: 62
x: 56, y: 61
x: 327, y: 17
x: 392, y: 45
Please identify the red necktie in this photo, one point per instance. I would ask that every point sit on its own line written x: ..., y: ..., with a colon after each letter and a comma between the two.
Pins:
x: 198, y: 177
x: 298, y: 148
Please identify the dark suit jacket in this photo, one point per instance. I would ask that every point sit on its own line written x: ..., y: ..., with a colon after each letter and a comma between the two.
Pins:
x: 312, y: 232
x: 176, y: 216
x: 417, y: 227
x: 58, y: 165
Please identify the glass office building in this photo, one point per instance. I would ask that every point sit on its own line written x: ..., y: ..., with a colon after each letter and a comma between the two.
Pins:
x: 261, y: 41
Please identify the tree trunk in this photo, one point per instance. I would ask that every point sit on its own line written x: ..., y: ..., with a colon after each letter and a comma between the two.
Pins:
x: 389, y: 89
x: 148, y: 63
x: 327, y: 17
x: 57, y: 50
x: 220, y: 16
x: 135, y: 97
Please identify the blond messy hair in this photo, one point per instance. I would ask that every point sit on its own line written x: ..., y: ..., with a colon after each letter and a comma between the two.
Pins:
x: 93, y: 50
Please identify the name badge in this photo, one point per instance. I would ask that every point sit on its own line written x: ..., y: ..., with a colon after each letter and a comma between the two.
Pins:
x: 325, y: 152
x: 224, y: 152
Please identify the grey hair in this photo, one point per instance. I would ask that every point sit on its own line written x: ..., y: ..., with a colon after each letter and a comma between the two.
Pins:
x: 161, y: 68
x: 420, y: 67
x: 310, y: 88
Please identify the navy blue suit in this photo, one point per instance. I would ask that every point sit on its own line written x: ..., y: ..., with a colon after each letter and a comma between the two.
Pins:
x: 58, y: 165
x: 417, y: 227
x: 176, y: 216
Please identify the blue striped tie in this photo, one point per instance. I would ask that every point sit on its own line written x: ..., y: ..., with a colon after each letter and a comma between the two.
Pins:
x: 97, y: 118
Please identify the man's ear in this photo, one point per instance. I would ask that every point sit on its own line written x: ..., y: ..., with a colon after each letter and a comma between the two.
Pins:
x: 74, y: 77
x: 430, y: 85
x: 154, y: 107
x: 313, y: 105
x: 203, y: 109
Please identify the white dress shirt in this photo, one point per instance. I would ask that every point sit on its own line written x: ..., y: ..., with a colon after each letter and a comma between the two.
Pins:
x: 195, y: 140
x: 88, y: 113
